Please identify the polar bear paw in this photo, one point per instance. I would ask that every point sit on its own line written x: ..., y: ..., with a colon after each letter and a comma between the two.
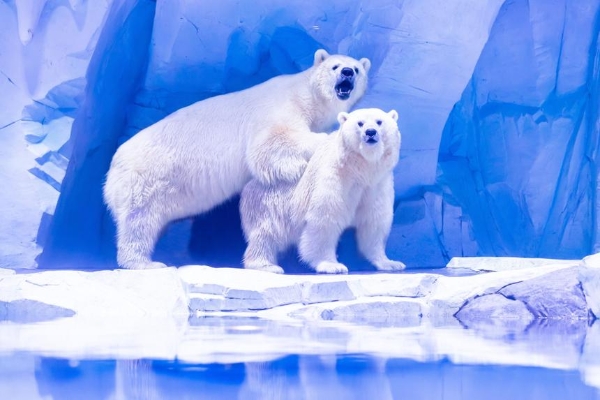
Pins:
x: 276, y: 269
x: 390, y: 265
x: 289, y: 169
x: 327, y: 267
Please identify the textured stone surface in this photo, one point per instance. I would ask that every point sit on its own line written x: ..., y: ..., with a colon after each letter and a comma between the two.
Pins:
x: 210, y: 302
x: 548, y: 291
x: 227, y: 289
x: 494, y: 264
x: 493, y: 310
x: 555, y: 295
x: 320, y: 292
x: 451, y: 293
x: 509, y: 299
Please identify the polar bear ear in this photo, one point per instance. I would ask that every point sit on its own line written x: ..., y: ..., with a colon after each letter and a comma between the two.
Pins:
x: 343, y: 117
x: 320, y: 56
x: 394, y: 115
x: 366, y: 63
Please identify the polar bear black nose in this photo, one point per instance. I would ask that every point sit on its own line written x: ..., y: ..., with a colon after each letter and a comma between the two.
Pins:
x: 349, y: 72
x: 371, y: 132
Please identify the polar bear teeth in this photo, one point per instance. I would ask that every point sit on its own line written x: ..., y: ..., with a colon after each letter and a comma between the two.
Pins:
x: 343, y: 89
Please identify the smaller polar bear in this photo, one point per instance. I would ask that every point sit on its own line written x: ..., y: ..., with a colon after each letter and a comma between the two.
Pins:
x: 348, y: 182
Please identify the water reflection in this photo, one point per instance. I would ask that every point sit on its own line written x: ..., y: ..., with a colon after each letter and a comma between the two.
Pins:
x: 249, y: 358
x: 62, y: 379
x: 294, y: 377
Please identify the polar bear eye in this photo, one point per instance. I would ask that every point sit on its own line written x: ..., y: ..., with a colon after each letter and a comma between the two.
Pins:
x: 379, y: 122
x: 360, y: 124
x: 356, y: 70
x: 335, y: 67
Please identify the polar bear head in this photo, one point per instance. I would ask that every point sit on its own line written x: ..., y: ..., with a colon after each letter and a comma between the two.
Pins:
x: 371, y: 132
x: 340, y: 79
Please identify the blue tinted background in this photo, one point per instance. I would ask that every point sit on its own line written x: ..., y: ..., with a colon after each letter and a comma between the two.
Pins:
x: 498, y: 103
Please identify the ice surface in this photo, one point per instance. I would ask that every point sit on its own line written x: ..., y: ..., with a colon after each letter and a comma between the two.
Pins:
x: 498, y: 104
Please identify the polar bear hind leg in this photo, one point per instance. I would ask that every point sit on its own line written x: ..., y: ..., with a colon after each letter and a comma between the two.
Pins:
x: 138, y: 216
x: 136, y: 238
x: 261, y: 253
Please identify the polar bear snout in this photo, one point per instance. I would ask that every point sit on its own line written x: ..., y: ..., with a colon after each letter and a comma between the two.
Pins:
x: 371, y: 136
x: 348, y: 72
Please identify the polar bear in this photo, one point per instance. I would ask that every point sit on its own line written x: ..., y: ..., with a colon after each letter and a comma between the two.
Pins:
x: 202, y: 155
x: 348, y: 182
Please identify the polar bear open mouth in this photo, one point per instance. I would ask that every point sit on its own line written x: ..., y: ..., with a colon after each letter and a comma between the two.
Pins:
x: 343, y: 89
x: 371, y: 140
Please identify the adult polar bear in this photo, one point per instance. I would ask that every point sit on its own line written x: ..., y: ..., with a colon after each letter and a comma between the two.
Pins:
x: 203, y: 154
x: 349, y: 181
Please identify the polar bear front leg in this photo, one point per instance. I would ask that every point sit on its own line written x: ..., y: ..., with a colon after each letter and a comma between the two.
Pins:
x: 374, y: 218
x: 281, y: 154
x: 317, y: 247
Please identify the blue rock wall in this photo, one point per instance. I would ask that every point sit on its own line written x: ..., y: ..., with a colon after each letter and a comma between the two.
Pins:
x: 498, y: 104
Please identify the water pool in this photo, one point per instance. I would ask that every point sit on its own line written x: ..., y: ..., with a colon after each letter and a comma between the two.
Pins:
x: 251, y: 358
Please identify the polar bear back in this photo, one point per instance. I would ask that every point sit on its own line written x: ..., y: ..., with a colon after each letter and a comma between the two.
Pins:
x: 205, y: 159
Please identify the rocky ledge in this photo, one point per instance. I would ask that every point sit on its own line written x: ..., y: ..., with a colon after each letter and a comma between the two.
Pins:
x: 471, y: 291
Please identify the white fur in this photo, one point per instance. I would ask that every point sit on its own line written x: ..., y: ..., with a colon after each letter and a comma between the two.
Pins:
x: 203, y: 154
x: 348, y: 182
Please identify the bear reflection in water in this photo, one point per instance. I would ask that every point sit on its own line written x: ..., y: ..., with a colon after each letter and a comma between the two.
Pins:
x: 305, y: 377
